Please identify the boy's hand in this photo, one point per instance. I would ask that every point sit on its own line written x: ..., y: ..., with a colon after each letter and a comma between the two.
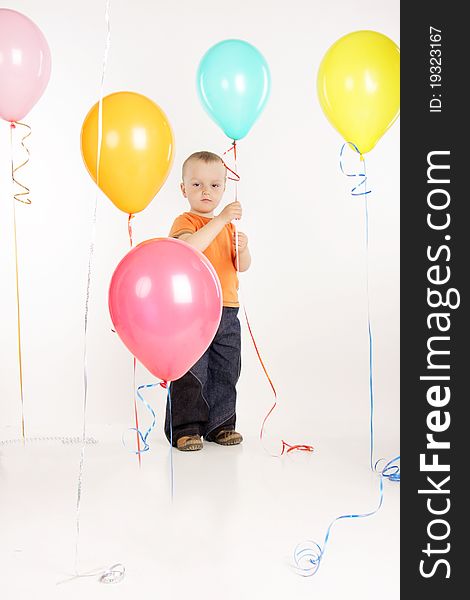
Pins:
x: 231, y: 211
x: 242, y: 241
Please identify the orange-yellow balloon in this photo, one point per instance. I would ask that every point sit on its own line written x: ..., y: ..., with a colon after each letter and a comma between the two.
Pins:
x: 358, y: 86
x: 136, y: 151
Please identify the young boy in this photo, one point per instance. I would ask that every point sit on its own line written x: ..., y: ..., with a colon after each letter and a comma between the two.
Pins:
x: 203, y: 400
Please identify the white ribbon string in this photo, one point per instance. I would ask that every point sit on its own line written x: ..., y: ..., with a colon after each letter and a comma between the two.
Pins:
x: 116, y: 572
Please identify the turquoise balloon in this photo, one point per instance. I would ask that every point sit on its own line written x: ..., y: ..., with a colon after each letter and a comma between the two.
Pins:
x: 234, y: 82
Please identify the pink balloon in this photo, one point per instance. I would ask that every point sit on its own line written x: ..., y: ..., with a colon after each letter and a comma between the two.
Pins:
x: 25, y: 64
x: 165, y: 302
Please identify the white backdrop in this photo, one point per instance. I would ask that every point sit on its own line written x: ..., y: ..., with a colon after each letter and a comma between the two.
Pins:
x: 306, y: 290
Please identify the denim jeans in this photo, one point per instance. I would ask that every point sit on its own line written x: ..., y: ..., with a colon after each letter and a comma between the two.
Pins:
x: 203, y: 400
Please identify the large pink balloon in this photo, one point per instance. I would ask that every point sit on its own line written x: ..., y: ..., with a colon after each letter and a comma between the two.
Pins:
x: 165, y: 302
x: 25, y: 64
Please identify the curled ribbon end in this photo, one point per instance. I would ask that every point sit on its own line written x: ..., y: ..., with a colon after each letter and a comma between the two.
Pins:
x: 391, y: 470
x: 21, y: 196
x: 362, y: 174
x: 307, y: 557
x: 114, y: 574
x: 301, y: 447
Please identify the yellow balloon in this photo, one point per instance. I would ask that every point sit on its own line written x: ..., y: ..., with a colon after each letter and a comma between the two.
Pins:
x: 136, y: 151
x: 358, y: 87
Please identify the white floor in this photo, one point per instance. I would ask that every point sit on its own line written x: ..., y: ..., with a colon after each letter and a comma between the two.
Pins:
x: 229, y: 533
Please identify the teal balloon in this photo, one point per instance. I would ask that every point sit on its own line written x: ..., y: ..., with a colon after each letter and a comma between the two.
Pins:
x: 234, y: 83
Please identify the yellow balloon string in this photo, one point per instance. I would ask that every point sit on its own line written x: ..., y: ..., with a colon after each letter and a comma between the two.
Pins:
x: 16, y: 197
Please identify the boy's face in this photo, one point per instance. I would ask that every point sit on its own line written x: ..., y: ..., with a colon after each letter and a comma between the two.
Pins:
x: 204, y: 185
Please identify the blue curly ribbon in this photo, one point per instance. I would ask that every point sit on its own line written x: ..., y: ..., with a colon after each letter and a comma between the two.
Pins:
x: 363, y: 181
x: 390, y: 471
x: 395, y: 474
x: 308, y: 555
x: 143, y: 437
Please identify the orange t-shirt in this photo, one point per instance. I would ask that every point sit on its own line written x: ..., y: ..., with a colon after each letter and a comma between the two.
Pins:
x: 221, y: 252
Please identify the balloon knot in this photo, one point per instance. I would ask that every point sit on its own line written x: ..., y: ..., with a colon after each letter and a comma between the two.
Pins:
x: 164, y: 384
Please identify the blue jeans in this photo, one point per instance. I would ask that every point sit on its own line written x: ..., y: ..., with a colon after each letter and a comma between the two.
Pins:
x: 203, y: 400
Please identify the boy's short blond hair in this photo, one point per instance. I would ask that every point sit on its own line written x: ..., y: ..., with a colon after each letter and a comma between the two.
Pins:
x: 205, y: 156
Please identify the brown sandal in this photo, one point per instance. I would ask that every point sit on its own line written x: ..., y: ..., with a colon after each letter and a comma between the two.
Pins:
x: 189, y: 443
x: 228, y: 438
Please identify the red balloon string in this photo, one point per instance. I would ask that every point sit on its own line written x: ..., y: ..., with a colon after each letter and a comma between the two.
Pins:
x: 233, y: 148
x: 136, y: 415
x: 129, y: 228
x: 285, y: 446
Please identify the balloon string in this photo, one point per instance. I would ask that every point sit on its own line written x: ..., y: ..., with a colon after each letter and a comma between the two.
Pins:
x: 233, y: 148
x: 172, y: 479
x: 286, y: 448
x: 395, y: 475
x: 308, y: 555
x: 363, y: 181
x: 14, y: 169
x: 65, y: 440
x: 369, y: 326
x: 87, y: 300
x: 136, y: 414
x: 391, y: 474
x: 237, y: 255
x: 129, y: 228
x: 113, y: 574
x: 363, y: 175
x: 143, y: 436
x: 18, y: 303
x: 85, y: 383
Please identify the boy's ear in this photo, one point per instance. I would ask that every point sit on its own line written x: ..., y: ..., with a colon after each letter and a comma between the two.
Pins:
x: 183, y: 189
